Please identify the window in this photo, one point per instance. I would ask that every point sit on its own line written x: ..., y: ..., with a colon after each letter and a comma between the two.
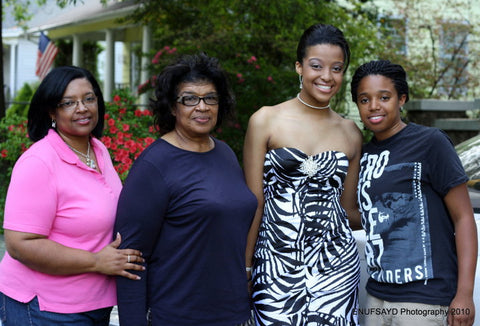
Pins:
x: 453, y: 59
x: 395, y: 30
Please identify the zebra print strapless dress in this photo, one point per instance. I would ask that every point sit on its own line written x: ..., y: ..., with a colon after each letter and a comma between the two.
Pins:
x: 306, y: 268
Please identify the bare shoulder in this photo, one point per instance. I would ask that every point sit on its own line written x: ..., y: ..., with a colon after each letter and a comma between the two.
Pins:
x: 350, y: 128
x: 266, y: 115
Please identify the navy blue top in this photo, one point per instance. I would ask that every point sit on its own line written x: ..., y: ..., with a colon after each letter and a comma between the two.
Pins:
x: 410, y: 249
x: 189, y: 214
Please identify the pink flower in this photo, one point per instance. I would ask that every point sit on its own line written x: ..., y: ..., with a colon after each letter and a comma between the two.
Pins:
x: 252, y: 59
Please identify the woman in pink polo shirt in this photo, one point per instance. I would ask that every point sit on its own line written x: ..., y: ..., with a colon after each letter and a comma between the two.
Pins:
x: 60, y: 210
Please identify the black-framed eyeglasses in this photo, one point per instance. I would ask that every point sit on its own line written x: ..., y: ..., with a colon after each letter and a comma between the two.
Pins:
x: 70, y: 105
x: 192, y: 100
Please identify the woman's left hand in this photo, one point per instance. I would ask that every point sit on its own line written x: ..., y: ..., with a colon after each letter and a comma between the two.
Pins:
x: 113, y: 261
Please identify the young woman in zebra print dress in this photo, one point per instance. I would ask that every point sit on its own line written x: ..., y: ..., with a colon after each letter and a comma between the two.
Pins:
x: 301, y: 160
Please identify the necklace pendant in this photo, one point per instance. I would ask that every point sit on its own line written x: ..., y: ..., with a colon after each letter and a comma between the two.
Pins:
x: 91, y: 164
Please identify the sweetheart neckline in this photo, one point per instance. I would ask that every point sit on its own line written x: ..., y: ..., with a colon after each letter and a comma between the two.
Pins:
x: 305, y: 154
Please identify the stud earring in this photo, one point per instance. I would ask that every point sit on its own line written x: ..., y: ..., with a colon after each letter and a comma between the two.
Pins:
x: 54, y: 123
x: 300, y: 78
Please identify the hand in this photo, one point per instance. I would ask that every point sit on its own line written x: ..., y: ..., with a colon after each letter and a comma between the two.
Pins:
x: 461, y: 311
x: 249, y: 283
x: 113, y: 261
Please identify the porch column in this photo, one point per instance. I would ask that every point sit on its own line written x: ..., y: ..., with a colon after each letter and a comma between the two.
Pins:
x: 108, y: 85
x: 77, y: 53
x: 13, y: 72
x: 146, y: 47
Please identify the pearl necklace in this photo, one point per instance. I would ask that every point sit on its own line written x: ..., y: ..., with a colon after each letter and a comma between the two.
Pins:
x: 90, y: 162
x: 311, y: 106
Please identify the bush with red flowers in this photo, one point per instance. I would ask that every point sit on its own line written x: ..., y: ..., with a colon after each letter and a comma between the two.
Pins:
x: 128, y: 130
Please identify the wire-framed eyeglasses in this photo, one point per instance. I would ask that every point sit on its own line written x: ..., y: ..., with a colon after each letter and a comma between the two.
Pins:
x: 192, y: 100
x: 70, y: 105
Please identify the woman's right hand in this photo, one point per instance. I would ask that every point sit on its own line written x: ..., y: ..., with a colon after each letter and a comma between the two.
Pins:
x: 113, y: 261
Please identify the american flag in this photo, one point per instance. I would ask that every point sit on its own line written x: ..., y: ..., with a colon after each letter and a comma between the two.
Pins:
x: 47, y: 51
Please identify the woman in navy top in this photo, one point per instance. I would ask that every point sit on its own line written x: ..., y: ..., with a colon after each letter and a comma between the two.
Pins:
x: 186, y: 207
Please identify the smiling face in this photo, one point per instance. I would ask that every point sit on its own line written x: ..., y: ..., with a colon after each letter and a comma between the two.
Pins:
x: 195, y: 121
x: 77, y: 122
x: 379, y: 106
x: 322, y: 72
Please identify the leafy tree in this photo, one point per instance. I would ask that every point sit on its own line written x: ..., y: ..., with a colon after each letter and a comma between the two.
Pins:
x: 437, y: 57
x: 255, y: 41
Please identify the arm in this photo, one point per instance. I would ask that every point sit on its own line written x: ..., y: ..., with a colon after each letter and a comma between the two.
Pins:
x: 460, y: 208
x: 140, y: 215
x: 254, y: 150
x: 41, y: 254
x: 349, y: 199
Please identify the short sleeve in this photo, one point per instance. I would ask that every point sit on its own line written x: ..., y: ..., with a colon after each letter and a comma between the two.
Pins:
x: 445, y: 168
x: 31, y: 201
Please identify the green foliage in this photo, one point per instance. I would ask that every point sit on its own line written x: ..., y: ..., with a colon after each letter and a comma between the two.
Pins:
x: 255, y: 42
x: 22, y: 10
x: 21, y: 101
x: 13, y: 142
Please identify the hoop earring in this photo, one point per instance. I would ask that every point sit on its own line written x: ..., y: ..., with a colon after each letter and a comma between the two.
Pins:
x: 54, y: 123
x: 300, y: 78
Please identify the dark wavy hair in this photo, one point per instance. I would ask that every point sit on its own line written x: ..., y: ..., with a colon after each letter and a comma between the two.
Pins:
x: 190, y: 68
x: 50, y: 93
x: 323, y: 34
x: 384, y: 68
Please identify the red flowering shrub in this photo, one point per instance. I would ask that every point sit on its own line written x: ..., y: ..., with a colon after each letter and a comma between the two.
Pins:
x: 128, y: 130
x: 13, y: 142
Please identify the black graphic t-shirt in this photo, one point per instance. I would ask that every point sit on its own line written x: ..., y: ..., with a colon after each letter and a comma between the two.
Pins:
x: 410, y: 250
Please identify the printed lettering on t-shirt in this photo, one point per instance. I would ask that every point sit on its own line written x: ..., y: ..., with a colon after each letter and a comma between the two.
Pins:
x: 394, y: 215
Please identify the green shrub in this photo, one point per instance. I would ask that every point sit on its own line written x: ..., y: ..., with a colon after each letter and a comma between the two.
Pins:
x: 21, y: 101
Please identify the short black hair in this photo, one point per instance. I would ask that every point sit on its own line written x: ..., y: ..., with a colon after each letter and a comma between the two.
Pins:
x: 323, y: 34
x: 384, y: 68
x: 189, y: 68
x: 50, y: 92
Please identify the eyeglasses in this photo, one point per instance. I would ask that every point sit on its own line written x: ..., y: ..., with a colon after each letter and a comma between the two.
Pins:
x: 192, y: 100
x: 70, y: 105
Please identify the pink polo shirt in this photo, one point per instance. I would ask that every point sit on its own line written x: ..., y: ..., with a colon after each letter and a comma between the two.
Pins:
x: 55, y: 194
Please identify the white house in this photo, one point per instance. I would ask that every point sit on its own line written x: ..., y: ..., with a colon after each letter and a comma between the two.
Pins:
x: 88, y: 20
